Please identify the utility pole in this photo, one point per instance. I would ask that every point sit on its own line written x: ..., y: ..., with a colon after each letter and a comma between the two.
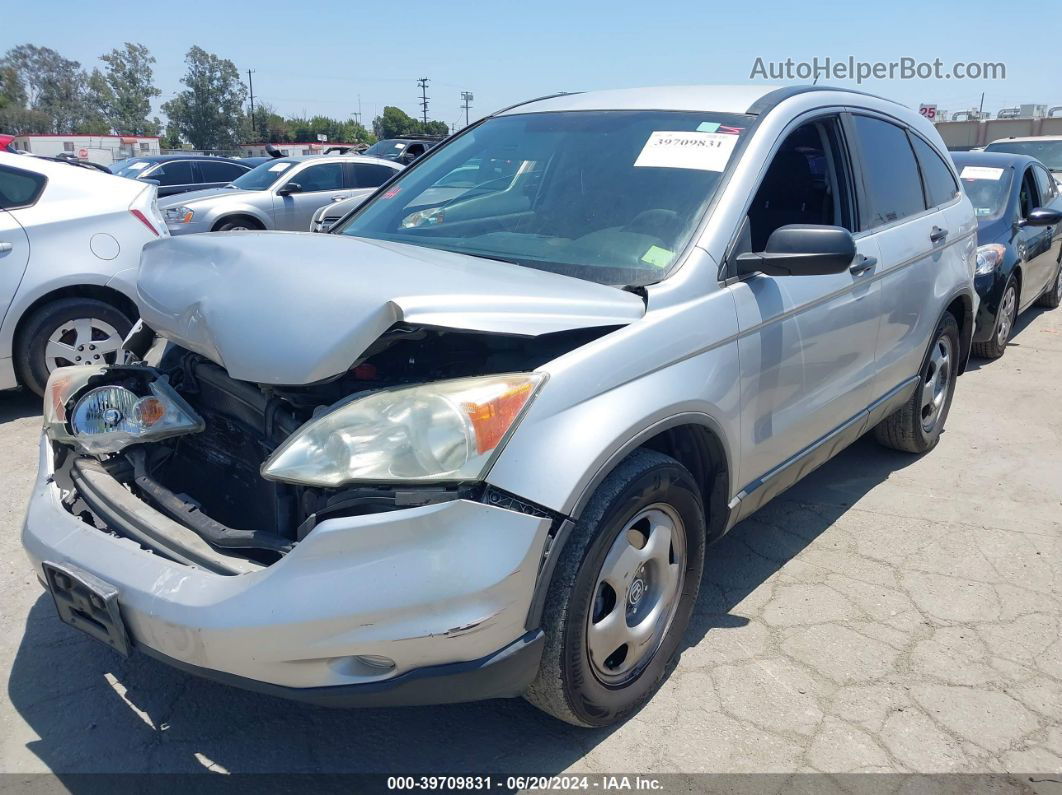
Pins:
x: 423, y: 83
x: 467, y: 97
x: 250, y: 84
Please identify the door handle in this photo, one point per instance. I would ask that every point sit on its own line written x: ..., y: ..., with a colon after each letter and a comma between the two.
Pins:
x: 937, y: 234
x: 5, y: 246
x: 862, y: 265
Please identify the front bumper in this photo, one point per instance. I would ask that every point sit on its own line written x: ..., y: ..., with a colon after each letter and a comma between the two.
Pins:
x: 190, y: 228
x: 428, y: 587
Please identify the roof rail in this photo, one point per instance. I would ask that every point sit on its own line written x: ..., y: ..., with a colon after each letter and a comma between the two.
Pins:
x: 772, y: 98
x: 536, y: 99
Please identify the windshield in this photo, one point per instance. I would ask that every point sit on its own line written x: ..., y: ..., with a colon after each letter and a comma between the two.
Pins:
x: 988, y: 189
x: 389, y: 149
x: 130, y: 168
x: 1047, y: 152
x: 264, y: 176
x: 607, y: 196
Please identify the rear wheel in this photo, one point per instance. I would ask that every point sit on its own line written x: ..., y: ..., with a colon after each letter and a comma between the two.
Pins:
x: 1052, y: 297
x: 1005, y: 319
x: 916, y: 427
x: 622, y: 593
x: 65, y: 332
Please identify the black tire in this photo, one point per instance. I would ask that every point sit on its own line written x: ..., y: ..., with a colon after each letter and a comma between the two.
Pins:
x: 235, y: 223
x: 567, y: 686
x: 906, y: 430
x: 996, y: 346
x: 1052, y: 296
x: 32, y: 341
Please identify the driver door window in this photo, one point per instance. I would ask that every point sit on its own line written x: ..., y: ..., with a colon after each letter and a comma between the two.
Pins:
x: 808, y: 343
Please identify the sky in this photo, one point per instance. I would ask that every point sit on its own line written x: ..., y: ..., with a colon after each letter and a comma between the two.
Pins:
x: 332, y: 58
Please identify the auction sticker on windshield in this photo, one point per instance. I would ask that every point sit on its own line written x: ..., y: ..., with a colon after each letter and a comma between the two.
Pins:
x: 981, y: 172
x: 703, y: 151
x: 279, y: 166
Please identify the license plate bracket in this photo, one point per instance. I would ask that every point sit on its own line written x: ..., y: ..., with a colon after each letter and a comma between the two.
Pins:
x: 87, y: 603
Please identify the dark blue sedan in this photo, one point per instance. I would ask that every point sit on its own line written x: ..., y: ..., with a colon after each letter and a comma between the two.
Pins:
x: 1019, y: 241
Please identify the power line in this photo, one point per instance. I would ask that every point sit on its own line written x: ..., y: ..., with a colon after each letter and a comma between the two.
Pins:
x: 423, y: 83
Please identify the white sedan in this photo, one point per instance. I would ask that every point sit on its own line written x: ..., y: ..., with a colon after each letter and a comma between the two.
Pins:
x: 70, y: 241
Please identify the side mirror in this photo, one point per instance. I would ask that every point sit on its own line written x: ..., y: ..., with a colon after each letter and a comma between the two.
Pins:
x: 289, y: 188
x: 1042, y: 216
x: 802, y: 250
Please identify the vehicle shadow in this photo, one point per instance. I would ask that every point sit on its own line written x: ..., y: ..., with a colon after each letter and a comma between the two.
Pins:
x: 1025, y: 319
x: 94, y: 711
x: 17, y: 404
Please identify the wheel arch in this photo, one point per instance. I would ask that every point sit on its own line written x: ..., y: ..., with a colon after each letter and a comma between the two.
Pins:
x: 254, y: 219
x: 99, y: 292
x: 961, y: 308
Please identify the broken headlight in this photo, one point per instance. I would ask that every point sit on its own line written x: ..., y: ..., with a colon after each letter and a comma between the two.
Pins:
x: 103, y: 409
x: 449, y: 430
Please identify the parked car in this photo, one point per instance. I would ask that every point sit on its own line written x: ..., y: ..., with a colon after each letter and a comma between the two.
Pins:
x: 282, y: 193
x: 181, y: 173
x: 70, y: 241
x: 475, y: 447
x: 1019, y: 241
x: 403, y: 150
x: 328, y: 215
x: 1045, y: 148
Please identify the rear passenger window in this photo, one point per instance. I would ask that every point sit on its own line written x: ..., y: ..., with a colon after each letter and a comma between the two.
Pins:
x: 939, y: 182
x: 220, y: 172
x: 371, y: 176
x: 179, y: 172
x: 19, y: 188
x: 891, y: 171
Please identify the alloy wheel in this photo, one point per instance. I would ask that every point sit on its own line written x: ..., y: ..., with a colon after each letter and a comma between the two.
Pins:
x: 935, y: 382
x: 1006, y: 316
x: 83, y: 340
x: 636, y: 594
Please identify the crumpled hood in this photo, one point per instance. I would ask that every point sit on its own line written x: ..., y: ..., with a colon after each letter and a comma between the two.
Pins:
x: 296, y: 307
x: 194, y: 197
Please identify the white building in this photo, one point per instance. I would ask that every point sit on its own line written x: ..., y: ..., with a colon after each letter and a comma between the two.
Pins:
x: 290, y: 150
x: 102, y: 149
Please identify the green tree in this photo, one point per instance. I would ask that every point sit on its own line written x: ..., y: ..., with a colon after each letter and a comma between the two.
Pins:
x: 12, y: 93
x: 209, y: 112
x: 98, y: 98
x: 54, y: 86
x: 394, y: 123
x: 129, y: 77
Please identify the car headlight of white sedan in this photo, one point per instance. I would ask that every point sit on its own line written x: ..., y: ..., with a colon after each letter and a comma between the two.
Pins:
x: 443, y: 431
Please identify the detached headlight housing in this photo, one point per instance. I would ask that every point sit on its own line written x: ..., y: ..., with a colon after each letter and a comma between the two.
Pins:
x: 445, y: 431
x: 178, y: 215
x: 989, y: 257
x: 105, y: 409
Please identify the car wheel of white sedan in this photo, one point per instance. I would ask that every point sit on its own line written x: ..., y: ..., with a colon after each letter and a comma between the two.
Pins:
x: 66, y: 332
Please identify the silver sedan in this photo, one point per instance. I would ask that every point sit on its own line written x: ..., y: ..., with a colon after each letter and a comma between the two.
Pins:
x: 279, y: 194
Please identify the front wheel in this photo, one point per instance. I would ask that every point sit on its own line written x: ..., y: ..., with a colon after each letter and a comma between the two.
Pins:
x: 622, y: 593
x: 916, y: 427
x: 1006, y: 317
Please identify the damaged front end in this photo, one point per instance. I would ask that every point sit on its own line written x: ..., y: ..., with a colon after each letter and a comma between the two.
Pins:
x: 252, y: 468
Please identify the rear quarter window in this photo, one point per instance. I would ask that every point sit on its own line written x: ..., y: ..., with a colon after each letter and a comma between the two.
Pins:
x: 19, y: 188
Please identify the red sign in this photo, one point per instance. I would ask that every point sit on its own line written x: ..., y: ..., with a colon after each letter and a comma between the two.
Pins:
x: 83, y: 154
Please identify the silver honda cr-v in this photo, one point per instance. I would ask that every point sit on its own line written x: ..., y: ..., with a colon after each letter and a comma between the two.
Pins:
x: 475, y: 442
